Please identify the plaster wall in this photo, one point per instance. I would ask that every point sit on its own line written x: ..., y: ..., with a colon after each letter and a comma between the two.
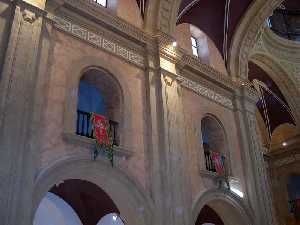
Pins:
x: 67, y: 50
x: 195, y: 108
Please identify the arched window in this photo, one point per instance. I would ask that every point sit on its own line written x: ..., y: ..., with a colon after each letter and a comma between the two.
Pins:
x: 101, y: 2
x: 214, y: 144
x: 98, y: 93
x: 200, y: 44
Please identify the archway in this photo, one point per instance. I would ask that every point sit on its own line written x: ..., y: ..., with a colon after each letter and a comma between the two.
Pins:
x: 125, y: 196
x: 208, y: 216
x: 87, y: 200
x: 273, y: 113
x: 221, y: 208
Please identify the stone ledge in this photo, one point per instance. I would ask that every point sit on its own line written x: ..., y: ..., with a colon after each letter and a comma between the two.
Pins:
x: 210, y: 174
x: 90, y: 143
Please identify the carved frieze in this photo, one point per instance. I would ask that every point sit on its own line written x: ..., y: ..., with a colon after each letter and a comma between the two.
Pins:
x: 286, y: 160
x: 99, y: 41
x: 206, y: 92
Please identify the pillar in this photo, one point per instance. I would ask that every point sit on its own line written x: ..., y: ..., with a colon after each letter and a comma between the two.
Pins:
x: 257, y: 186
x: 20, y: 107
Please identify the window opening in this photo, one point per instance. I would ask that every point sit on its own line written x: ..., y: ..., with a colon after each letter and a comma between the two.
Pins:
x: 195, y: 46
x: 101, y: 2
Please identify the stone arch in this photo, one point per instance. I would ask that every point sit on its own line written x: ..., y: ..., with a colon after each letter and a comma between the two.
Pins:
x: 226, y: 205
x: 213, y: 122
x: 246, y: 35
x: 282, y: 80
x: 135, y: 206
x: 76, y: 70
x: 161, y: 15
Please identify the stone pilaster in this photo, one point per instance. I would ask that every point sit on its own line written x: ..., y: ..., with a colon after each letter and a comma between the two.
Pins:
x: 17, y: 93
x: 257, y: 191
x: 175, y: 144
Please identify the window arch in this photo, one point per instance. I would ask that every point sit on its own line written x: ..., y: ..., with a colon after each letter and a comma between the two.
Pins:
x: 98, y: 93
x: 214, y: 144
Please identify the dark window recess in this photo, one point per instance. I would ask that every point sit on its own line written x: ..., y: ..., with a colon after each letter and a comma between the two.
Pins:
x: 84, y: 126
x: 286, y: 23
x: 209, y: 162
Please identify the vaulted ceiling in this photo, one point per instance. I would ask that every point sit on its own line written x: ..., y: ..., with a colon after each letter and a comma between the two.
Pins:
x: 208, y: 16
x: 276, y: 112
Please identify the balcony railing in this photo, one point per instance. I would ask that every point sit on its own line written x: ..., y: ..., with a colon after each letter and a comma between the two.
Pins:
x: 210, y: 163
x: 84, y: 126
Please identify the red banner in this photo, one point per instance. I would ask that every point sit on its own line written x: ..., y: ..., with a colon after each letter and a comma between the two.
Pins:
x: 219, y: 165
x: 101, y: 128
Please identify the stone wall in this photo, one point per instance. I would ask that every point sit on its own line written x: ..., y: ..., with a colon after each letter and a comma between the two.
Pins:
x: 5, y: 18
x: 66, y: 52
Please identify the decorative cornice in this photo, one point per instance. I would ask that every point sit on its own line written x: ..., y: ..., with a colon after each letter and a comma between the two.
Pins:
x: 286, y: 160
x: 206, y: 92
x: 94, y: 10
x: 185, y: 61
x: 212, y: 74
x: 196, y: 87
x: 99, y: 41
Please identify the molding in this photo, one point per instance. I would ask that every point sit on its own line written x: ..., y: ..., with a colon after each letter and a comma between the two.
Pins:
x: 99, y: 41
x: 102, y: 15
x: 199, y: 89
x: 185, y: 61
x: 286, y: 160
x: 90, y: 144
x: 206, y: 92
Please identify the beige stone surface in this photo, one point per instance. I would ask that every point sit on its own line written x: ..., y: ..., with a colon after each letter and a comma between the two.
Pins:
x: 159, y: 175
x: 66, y: 51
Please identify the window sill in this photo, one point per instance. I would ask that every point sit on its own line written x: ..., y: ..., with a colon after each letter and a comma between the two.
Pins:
x: 211, y: 174
x: 90, y: 143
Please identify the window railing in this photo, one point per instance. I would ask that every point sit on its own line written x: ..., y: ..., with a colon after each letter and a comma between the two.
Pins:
x: 84, y: 126
x: 210, y: 162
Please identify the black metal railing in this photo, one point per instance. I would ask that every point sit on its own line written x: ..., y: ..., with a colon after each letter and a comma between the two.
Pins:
x: 210, y: 163
x: 84, y: 126
x: 286, y: 23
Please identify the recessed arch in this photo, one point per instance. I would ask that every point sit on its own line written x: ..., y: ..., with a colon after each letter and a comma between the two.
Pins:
x: 282, y: 79
x: 133, y: 203
x: 214, y: 140
x: 246, y: 35
x: 228, y: 207
x: 102, y: 66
